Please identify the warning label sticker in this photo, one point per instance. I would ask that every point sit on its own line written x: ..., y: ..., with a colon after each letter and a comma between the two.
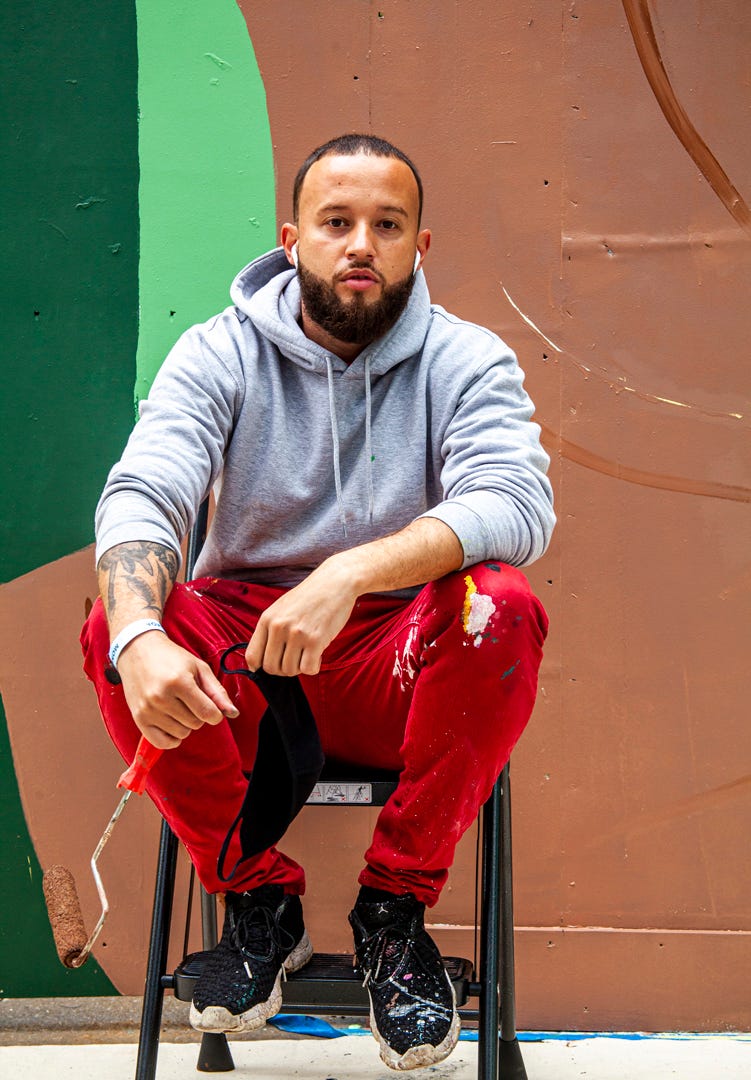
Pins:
x: 348, y: 794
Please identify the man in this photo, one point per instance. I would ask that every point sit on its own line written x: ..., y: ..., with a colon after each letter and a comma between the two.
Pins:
x: 361, y: 443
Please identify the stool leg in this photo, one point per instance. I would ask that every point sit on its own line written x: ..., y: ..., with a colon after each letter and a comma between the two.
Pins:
x: 511, y: 1063
x: 153, y: 995
x: 215, y: 1054
x: 487, y: 1042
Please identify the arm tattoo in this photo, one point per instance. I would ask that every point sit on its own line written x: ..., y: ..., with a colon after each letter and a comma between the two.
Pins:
x: 146, y: 569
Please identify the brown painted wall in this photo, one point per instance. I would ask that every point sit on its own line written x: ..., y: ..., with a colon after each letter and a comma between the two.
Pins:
x: 570, y: 217
x: 596, y: 220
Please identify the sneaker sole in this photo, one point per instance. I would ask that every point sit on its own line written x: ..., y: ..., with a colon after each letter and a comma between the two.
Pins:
x: 217, y: 1018
x: 417, y: 1057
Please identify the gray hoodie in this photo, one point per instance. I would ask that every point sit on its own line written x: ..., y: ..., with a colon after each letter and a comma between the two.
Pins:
x: 309, y: 455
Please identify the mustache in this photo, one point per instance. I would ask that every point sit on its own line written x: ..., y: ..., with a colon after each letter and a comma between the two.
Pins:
x: 361, y: 266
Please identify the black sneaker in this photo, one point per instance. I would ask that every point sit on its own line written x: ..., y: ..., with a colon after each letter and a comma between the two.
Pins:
x: 263, y: 938
x: 412, y: 1003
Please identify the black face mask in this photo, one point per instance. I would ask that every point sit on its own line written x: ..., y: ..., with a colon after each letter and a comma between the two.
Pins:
x: 355, y: 321
x: 288, y: 763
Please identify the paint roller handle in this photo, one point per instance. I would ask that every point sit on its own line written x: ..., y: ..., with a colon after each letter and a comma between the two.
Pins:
x: 135, y: 776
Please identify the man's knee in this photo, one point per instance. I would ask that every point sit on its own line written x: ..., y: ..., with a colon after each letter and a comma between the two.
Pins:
x: 478, y: 592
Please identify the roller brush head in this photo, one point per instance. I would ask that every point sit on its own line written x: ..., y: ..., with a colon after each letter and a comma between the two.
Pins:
x: 64, y: 911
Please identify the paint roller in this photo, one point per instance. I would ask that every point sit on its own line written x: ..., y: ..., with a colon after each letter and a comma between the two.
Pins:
x: 60, y: 894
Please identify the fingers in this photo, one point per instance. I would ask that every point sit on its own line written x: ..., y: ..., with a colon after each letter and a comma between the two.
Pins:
x: 171, y: 717
x: 283, y: 650
x: 159, y: 738
x: 215, y: 694
x: 310, y: 663
x: 255, y: 652
x: 170, y: 692
x: 294, y: 631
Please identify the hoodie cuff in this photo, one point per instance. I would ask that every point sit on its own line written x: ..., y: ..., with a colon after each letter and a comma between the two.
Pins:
x: 467, y: 525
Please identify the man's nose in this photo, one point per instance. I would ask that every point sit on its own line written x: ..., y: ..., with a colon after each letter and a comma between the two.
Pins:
x: 360, y: 242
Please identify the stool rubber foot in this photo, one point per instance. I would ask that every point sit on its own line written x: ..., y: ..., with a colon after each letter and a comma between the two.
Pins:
x: 510, y: 1060
x: 215, y: 1054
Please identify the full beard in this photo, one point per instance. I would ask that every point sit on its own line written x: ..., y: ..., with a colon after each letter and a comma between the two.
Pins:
x: 355, y: 321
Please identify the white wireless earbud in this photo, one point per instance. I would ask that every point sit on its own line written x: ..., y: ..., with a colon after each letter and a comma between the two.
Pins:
x: 417, y: 263
x: 293, y: 253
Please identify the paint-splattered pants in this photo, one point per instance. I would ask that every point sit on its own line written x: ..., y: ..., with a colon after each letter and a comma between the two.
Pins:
x: 439, y: 687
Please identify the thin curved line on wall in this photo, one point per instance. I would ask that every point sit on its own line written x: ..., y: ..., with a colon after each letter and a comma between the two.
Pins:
x: 572, y: 452
x: 618, y: 383
x: 642, y: 32
x: 680, y: 484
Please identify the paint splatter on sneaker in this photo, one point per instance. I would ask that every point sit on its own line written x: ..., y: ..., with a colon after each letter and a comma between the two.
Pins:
x: 412, y: 1004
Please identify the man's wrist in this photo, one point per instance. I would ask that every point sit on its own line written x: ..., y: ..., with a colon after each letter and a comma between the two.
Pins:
x: 352, y: 568
x: 422, y: 551
x: 130, y: 633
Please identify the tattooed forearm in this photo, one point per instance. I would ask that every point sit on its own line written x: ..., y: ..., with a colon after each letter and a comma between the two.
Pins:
x: 136, y: 578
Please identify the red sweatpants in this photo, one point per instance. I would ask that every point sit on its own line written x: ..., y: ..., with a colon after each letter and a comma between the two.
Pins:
x: 439, y: 687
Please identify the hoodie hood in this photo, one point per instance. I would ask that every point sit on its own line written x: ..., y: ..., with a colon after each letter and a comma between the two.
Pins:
x: 268, y: 292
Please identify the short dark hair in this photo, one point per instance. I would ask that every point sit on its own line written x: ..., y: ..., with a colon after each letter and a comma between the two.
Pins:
x: 348, y: 146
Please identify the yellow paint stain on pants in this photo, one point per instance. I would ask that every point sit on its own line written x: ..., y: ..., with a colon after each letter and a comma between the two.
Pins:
x: 467, y: 609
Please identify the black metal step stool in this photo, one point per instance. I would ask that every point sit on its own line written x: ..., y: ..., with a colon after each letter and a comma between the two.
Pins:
x: 328, y: 984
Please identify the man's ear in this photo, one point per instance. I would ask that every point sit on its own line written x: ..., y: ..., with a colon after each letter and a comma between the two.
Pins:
x: 423, y: 242
x: 289, y: 237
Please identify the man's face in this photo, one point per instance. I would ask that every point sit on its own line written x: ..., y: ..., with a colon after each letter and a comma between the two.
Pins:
x: 357, y: 239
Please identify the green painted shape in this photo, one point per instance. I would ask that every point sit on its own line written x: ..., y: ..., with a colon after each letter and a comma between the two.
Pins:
x: 206, y: 194
x: 29, y: 966
x: 69, y: 176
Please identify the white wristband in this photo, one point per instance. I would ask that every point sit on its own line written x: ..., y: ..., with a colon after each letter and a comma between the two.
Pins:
x: 131, y: 631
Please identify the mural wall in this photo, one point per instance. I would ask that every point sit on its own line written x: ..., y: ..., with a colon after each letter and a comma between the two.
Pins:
x: 586, y: 172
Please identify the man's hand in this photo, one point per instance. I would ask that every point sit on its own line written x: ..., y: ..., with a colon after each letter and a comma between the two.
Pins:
x: 169, y: 691
x: 293, y: 632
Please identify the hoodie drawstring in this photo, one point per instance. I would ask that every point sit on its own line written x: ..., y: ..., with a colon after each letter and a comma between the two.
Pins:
x: 335, y: 440
x: 368, y: 441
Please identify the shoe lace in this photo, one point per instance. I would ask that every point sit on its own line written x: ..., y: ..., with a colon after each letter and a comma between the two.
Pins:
x: 386, y: 943
x: 257, y: 934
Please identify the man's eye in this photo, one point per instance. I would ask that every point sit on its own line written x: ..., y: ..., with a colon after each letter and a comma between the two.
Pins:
x: 336, y: 223
x: 389, y: 225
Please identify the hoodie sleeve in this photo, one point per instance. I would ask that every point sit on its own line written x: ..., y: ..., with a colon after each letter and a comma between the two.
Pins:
x: 497, y: 497
x: 175, y: 452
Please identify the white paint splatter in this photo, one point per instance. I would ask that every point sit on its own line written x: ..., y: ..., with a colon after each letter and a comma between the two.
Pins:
x: 481, y: 607
x: 405, y: 666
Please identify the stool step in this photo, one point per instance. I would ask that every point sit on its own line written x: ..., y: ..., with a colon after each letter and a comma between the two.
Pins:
x: 327, y: 984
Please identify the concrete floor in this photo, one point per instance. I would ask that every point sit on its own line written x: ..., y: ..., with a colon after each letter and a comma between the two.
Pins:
x: 95, y: 1039
x: 355, y: 1058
